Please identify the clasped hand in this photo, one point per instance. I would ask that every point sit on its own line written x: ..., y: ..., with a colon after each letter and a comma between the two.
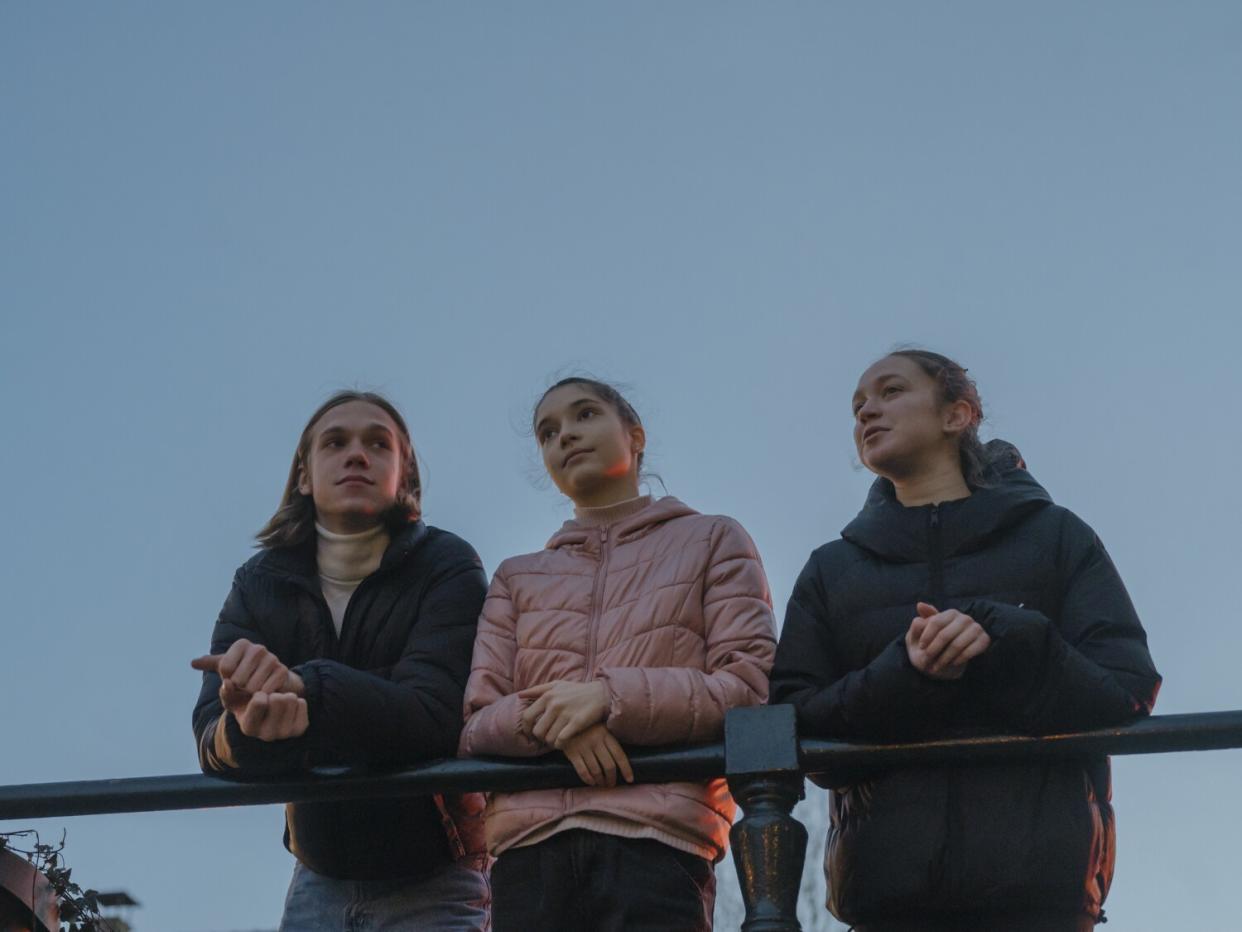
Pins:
x: 259, y: 691
x: 570, y: 716
x: 941, y: 644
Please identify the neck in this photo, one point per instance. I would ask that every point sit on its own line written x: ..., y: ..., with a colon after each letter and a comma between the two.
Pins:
x: 610, y: 494
x: 604, y: 515
x: 943, y: 483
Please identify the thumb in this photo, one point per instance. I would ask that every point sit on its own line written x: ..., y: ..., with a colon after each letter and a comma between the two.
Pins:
x: 916, y: 628
x: 209, y: 663
x: 926, y: 610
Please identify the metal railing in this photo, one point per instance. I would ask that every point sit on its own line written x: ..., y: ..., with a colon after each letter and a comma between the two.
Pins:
x: 761, y: 756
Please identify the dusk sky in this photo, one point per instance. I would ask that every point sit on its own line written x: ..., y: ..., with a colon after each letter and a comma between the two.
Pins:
x: 214, y: 215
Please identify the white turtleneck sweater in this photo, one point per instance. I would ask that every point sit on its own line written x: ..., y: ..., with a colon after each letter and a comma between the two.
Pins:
x: 345, y: 560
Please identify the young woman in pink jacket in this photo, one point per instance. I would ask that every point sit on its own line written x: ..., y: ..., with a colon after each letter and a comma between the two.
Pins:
x: 640, y: 623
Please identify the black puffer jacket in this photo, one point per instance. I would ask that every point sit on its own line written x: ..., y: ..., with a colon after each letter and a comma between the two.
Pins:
x: 387, y: 692
x: 1068, y: 652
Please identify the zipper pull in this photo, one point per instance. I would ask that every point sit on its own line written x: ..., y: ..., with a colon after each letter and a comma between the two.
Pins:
x: 603, y: 535
x: 935, y: 516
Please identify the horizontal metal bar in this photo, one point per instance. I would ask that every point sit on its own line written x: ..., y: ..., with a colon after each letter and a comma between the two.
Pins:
x: 1201, y: 731
x: 197, y: 791
x: 1160, y: 734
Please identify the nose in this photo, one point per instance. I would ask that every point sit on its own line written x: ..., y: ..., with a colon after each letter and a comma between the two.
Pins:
x: 357, y: 455
x: 868, y: 411
x: 568, y: 435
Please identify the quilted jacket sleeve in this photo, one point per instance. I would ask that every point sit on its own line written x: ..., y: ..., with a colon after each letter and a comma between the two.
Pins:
x: 680, y: 705
x: 492, y: 708
x: 1088, y: 668
x: 222, y: 748
x: 887, y: 699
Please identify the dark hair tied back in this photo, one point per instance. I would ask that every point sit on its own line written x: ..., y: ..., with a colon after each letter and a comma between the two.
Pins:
x: 956, y: 385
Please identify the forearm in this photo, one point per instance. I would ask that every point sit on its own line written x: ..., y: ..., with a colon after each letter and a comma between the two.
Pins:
x: 886, y: 699
x: 678, y: 705
x: 1036, y: 681
x: 496, y: 729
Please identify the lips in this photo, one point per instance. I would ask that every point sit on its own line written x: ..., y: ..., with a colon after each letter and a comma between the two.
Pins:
x: 355, y: 480
x: 572, y: 456
x: 872, y: 431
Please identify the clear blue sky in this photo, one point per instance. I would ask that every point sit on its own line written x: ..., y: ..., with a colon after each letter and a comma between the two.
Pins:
x: 211, y: 216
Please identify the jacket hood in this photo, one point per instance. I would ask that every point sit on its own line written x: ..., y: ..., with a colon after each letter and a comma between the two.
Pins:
x: 661, y: 510
x: 899, y: 534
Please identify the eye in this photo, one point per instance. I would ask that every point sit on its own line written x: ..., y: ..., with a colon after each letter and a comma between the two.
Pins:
x: 546, y: 434
x: 586, y: 413
x: 890, y: 389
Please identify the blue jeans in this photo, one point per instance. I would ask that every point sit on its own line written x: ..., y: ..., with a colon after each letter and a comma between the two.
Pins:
x: 455, y: 899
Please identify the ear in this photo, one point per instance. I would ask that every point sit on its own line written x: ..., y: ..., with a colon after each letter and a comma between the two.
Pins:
x: 304, y: 482
x: 957, y: 416
x: 638, y: 439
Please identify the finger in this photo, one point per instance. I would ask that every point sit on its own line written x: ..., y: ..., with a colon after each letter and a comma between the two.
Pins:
x: 246, y: 674
x: 534, y: 712
x: 534, y: 692
x: 570, y: 727
x: 282, y: 707
x: 232, y: 657
x: 252, y: 716
x: 608, y: 766
x: 952, y: 653
x: 619, y: 755
x: 232, y: 698
x: 926, y: 609
x: 935, y: 626
x: 945, y: 636
x: 545, y: 724
x: 916, y: 629
x: 976, y: 647
x: 208, y: 663
x: 277, y: 680
x: 576, y: 758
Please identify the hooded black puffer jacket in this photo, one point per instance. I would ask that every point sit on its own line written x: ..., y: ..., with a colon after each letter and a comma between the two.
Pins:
x: 1067, y: 652
x: 386, y: 692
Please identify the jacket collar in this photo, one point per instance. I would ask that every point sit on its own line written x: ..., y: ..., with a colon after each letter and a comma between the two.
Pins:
x: 900, y: 534
x: 298, y: 563
x: 661, y: 510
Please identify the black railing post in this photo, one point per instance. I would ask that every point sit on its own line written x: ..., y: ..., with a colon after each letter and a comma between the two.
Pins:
x: 769, y: 844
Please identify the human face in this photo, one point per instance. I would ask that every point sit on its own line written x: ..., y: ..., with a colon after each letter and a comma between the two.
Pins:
x: 590, y: 453
x: 901, y: 427
x: 353, y: 468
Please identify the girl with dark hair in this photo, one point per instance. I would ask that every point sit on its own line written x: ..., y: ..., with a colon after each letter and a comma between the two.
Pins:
x: 346, y: 640
x: 960, y: 601
x: 641, y: 623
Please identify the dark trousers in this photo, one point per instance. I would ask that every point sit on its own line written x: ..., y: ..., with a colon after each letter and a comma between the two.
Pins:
x: 579, y: 880
x: 987, y: 922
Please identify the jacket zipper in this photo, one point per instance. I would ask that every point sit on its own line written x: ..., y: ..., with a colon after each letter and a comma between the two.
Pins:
x: 935, y: 558
x: 953, y: 829
x: 597, y: 597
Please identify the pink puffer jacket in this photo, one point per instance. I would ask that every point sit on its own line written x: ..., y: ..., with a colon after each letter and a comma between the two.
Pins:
x: 671, y: 610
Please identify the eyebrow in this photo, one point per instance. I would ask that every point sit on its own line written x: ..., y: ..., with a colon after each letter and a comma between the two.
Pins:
x: 371, y: 428
x: 587, y: 400
x: 878, y: 380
